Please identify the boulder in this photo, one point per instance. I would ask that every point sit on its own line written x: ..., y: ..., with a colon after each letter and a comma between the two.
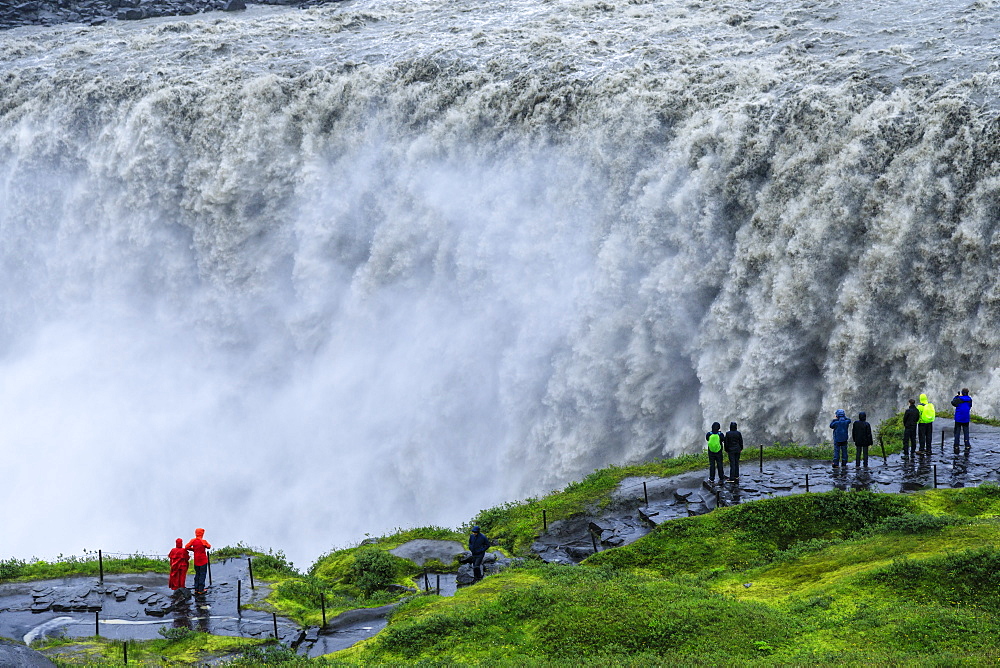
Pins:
x: 19, y: 656
x: 422, y: 550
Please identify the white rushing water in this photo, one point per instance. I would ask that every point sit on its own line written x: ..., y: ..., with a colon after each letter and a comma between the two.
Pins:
x: 296, y: 276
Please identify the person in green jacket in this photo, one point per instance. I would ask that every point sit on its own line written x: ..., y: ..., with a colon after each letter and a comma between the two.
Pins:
x: 925, y: 427
x: 715, y: 440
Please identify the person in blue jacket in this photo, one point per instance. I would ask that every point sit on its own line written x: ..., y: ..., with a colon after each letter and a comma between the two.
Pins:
x: 841, y: 433
x: 478, y: 544
x: 963, y: 412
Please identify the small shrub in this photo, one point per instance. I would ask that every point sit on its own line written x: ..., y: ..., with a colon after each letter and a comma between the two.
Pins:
x: 266, y: 655
x: 273, y: 565
x: 372, y: 570
x: 12, y: 568
x: 175, y: 633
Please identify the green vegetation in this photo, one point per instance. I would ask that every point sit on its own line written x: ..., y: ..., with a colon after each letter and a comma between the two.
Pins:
x: 754, y: 532
x: 366, y: 575
x: 182, y: 649
x: 18, y: 569
x: 839, y: 578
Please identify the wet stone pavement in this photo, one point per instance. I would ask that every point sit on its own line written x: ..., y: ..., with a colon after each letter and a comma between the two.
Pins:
x: 630, y: 517
x: 137, y: 606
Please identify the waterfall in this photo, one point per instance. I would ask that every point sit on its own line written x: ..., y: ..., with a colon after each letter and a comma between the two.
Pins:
x: 295, y: 276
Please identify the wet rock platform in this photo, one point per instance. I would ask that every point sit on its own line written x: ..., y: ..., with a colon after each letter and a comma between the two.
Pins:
x: 137, y: 606
x: 635, y: 510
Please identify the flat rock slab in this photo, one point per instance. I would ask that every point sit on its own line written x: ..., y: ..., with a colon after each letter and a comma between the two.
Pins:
x: 422, y: 550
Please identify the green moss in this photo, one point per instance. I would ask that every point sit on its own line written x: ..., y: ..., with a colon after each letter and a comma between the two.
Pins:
x: 193, y: 649
x: 550, y: 613
x: 970, y: 577
x: 981, y: 501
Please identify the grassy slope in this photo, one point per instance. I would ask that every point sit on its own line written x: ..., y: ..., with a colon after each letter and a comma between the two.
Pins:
x: 845, y: 578
x: 297, y: 595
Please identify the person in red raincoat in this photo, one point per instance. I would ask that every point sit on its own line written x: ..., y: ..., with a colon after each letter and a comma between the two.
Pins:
x: 178, y: 566
x: 198, y: 545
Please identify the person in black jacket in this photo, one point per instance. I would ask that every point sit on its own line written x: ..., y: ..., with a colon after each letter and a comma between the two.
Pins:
x: 910, y: 419
x: 861, y: 434
x: 734, y: 446
x: 478, y: 544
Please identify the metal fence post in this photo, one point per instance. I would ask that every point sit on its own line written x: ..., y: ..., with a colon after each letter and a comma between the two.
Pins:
x: 250, y: 566
x: 100, y: 564
x: 645, y: 492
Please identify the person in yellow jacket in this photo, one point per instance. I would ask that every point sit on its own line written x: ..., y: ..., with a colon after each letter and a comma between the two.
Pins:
x: 925, y: 426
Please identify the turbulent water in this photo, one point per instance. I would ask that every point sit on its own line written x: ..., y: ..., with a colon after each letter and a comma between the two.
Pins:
x: 300, y: 275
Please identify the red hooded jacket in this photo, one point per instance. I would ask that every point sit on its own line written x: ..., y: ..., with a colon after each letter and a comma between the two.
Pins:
x: 178, y: 565
x: 198, y: 545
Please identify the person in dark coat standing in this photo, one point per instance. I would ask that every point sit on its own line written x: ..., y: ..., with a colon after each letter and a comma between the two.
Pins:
x: 861, y: 434
x: 478, y: 544
x: 911, y: 416
x: 715, y: 440
x: 963, y: 415
x: 733, y: 446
